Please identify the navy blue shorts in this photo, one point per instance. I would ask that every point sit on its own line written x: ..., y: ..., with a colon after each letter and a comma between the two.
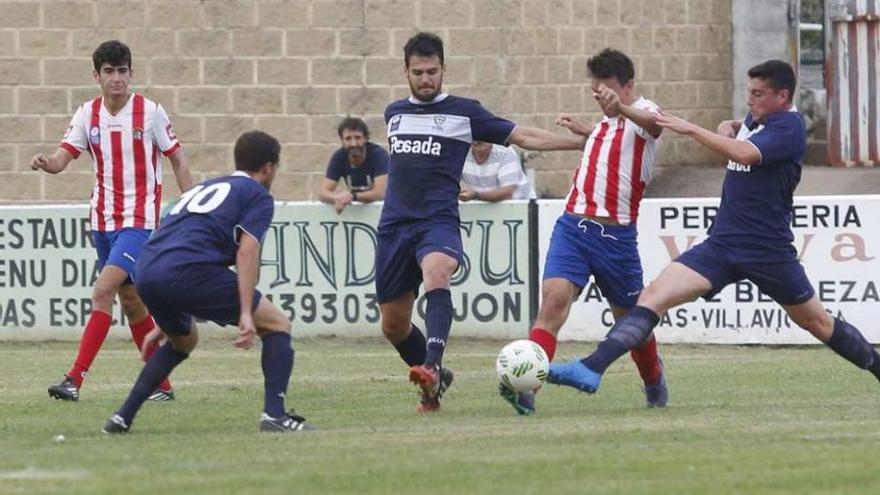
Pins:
x: 400, y: 249
x: 580, y: 248
x: 174, y: 297
x: 120, y: 248
x: 783, y: 280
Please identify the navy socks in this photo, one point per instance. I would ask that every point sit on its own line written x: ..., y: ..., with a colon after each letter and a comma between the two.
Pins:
x: 625, y: 335
x: 438, y: 319
x: 412, y: 349
x: 277, y: 362
x: 849, y: 343
x: 157, y: 368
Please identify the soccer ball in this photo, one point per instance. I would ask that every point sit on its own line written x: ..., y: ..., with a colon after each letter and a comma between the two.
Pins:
x: 522, y: 365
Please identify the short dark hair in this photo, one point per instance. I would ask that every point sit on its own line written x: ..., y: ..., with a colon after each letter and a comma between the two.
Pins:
x: 778, y: 74
x: 423, y: 44
x: 353, y: 124
x: 611, y: 63
x: 113, y: 52
x: 253, y: 149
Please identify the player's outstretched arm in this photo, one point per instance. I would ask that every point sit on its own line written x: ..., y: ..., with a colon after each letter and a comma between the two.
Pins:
x: 642, y: 118
x: 571, y: 123
x: 247, y: 265
x: 743, y: 152
x: 182, y: 173
x: 53, y: 164
x: 532, y: 138
x: 729, y: 128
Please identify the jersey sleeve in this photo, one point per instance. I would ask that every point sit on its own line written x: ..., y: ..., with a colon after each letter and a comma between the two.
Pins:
x: 255, y: 218
x: 76, y: 138
x: 648, y: 106
x: 782, y: 138
x: 487, y: 127
x: 336, y: 167
x: 163, y: 132
x: 510, y: 172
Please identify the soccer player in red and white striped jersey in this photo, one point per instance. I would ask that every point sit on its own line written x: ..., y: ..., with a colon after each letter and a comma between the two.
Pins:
x: 124, y: 133
x: 596, y: 235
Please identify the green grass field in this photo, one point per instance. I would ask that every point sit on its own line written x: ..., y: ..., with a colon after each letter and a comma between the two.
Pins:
x: 740, y: 420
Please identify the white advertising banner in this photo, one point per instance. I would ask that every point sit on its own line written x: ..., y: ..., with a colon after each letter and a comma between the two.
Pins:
x: 317, y: 266
x: 838, y: 241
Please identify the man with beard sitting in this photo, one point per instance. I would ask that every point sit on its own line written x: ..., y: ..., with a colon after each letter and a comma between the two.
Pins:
x: 361, y: 164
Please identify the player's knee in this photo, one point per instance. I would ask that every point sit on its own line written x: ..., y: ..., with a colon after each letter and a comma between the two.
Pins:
x: 103, y: 295
x: 436, y: 278
x: 130, y: 302
x: 395, y: 332
x: 185, y: 343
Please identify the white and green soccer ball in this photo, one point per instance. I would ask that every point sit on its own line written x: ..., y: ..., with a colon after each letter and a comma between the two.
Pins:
x: 522, y: 365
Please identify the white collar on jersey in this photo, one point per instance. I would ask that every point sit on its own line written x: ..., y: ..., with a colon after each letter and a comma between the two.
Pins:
x: 416, y: 101
x: 239, y: 173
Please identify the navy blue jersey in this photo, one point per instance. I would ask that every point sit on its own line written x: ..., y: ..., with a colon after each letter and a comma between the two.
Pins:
x: 358, y: 178
x: 428, y: 143
x: 204, y: 227
x: 756, y: 201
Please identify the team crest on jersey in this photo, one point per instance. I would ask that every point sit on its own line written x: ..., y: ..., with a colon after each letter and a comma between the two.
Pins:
x: 438, y: 122
x: 394, y: 123
x: 170, y: 131
x: 137, y: 134
x: 95, y: 135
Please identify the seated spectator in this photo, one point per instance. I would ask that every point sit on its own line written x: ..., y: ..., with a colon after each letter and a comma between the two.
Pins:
x: 493, y: 173
x: 362, y: 165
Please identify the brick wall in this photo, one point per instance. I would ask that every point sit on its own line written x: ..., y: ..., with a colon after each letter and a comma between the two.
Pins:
x: 294, y: 68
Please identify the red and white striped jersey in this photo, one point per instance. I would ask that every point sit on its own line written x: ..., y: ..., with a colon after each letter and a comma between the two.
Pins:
x: 124, y: 149
x: 615, y: 168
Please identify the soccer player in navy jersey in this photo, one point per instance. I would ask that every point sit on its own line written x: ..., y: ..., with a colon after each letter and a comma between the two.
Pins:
x: 183, y: 272
x: 750, y: 238
x: 429, y: 135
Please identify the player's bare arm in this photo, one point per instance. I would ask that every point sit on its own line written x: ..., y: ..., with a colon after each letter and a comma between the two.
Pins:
x: 729, y: 128
x: 377, y: 193
x: 611, y: 104
x: 739, y: 151
x: 532, y: 138
x: 180, y: 166
x: 53, y: 164
x: 572, y: 124
x: 247, y: 265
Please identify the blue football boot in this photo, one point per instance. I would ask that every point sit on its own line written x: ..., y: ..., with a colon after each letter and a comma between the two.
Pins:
x: 523, y: 402
x: 576, y: 375
x: 657, y: 395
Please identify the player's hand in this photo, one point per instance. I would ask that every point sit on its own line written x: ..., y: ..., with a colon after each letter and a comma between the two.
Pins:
x: 726, y: 129
x: 572, y: 124
x: 467, y: 194
x: 246, y: 336
x: 608, y: 100
x: 344, y: 197
x: 152, y: 339
x: 675, y: 124
x: 39, y: 161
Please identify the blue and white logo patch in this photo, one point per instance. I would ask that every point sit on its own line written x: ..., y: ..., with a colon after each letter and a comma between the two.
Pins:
x: 394, y: 123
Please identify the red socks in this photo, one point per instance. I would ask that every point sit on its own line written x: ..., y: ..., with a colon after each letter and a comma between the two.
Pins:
x: 645, y: 357
x: 92, y: 340
x: 545, y: 339
x: 139, y: 331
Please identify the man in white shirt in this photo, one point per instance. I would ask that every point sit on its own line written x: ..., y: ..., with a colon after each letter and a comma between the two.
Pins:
x: 493, y: 173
